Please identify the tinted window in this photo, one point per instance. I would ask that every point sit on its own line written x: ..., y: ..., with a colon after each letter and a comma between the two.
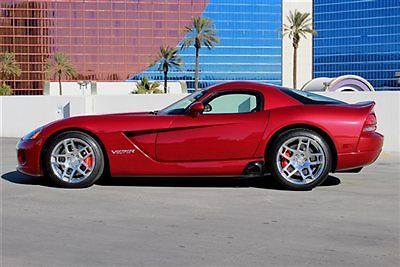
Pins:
x: 232, y: 103
x: 309, y: 98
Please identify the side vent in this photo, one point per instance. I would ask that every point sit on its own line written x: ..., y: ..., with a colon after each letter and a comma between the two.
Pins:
x: 254, y: 169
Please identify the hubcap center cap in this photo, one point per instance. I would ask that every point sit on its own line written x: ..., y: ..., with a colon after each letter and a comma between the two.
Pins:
x: 74, y: 161
x: 300, y: 159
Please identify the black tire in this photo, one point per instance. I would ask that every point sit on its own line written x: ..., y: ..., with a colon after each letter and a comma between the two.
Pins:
x: 97, y: 170
x: 286, y: 137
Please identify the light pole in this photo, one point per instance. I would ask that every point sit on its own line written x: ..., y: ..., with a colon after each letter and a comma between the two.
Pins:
x: 83, y: 85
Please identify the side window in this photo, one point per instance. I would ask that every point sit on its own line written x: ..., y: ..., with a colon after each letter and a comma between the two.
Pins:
x: 232, y: 103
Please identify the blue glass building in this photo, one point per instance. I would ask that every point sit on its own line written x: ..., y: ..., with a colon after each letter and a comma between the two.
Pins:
x: 358, y: 37
x: 250, y: 45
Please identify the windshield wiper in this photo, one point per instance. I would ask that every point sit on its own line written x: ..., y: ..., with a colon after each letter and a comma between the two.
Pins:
x: 154, y: 112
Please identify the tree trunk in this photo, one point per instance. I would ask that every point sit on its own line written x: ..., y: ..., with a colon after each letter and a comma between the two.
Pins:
x: 59, y: 83
x: 196, y: 74
x: 165, y: 81
x: 295, y: 66
x: 3, y: 77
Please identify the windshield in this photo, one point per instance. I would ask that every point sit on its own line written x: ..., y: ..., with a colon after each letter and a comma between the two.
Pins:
x: 309, y: 98
x: 181, y: 106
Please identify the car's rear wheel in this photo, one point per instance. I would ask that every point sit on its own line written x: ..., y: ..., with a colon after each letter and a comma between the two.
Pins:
x: 74, y: 159
x: 301, y: 159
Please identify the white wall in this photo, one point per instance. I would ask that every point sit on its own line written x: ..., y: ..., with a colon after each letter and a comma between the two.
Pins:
x: 133, y: 103
x: 115, y: 88
x: 304, y: 52
x: 21, y: 114
x: 68, y: 89
x: 106, y: 88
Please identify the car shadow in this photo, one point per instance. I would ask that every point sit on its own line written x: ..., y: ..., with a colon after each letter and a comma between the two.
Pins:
x: 266, y: 182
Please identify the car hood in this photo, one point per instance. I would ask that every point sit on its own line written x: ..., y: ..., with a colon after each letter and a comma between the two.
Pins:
x: 121, y: 122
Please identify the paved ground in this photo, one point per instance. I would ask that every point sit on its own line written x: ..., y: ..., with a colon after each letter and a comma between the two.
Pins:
x: 353, y: 219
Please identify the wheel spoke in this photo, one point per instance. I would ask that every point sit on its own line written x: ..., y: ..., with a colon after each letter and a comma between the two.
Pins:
x: 65, y: 173
x: 66, y: 146
x: 315, y: 154
x: 86, y: 166
x: 80, y: 171
x: 308, y: 145
x: 289, y: 148
x: 310, y: 173
x: 290, y: 174
x: 303, y: 176
x: 71, y: 176
x: 285, y: 156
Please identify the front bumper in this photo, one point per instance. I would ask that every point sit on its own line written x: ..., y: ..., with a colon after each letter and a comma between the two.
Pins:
x: 28, y: 157
x: 368, y: 149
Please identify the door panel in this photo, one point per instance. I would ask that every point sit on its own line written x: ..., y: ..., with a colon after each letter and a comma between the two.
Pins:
x: 211, y: 137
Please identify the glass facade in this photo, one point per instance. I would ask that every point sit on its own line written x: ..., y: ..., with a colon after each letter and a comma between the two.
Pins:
x: 107, y: 40
x: 250, y: 45
x: 116, y: 40
x: 358, y: 37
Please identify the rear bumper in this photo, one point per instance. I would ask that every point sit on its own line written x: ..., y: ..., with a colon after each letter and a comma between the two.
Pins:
x: 28, y: 157
x: 368, y: 149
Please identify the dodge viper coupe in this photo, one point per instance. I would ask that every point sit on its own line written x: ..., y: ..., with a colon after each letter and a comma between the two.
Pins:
x: 231, y: 129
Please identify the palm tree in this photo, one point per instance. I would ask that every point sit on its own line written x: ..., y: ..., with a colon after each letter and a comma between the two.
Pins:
x: 145, y: 87
x: 299, y: 25
x: 202, y: 33
x: 59, y: 65
x: 168, y: 58
x: 8, y: 67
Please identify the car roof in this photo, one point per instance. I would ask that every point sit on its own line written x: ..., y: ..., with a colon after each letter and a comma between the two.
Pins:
x: 240, y: 85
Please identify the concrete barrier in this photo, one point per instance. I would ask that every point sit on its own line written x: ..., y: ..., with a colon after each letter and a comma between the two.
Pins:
x: 21, y: 114
x: 132, y: 103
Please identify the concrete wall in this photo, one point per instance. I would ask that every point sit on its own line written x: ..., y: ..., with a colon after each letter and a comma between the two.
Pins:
x: 21, y: 114
x: 304, y: 53
x: 132, y: 103
x: 105, y: 88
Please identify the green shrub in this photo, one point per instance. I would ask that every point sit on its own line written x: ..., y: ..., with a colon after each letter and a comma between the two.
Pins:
x: 5, y: 90
x: 146, y: 87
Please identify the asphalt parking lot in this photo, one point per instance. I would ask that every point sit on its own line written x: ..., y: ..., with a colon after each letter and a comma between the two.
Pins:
x: 351, y: 220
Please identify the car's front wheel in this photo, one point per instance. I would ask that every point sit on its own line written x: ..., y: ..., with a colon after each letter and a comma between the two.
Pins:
x: 301, y: 159
x: 73, y: 159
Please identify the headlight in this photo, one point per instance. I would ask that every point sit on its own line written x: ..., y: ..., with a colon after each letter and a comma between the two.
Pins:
x: 32, y: 135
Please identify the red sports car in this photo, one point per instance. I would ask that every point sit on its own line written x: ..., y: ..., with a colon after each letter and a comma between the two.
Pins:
x: 231, y: 129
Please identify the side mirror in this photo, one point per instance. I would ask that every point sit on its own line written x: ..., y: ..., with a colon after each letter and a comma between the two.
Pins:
x: 195, y: 109
x: 207, y: 108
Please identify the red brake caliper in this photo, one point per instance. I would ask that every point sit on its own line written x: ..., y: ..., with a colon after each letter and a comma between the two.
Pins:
x: 89, y: 161
x: 284, y: 160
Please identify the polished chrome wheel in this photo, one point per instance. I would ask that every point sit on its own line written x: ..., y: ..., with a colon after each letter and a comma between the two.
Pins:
x: 300, y: 160
x: 72, y: 160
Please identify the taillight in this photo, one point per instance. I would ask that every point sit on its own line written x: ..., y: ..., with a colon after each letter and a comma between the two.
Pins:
x: 370, y: 123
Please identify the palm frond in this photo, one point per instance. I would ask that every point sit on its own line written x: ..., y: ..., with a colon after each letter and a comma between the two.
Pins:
x: 9, y: 65
x: 202, y: 33
x: 59, y: 64
x: 168, y: 57
x: 298, y: 25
